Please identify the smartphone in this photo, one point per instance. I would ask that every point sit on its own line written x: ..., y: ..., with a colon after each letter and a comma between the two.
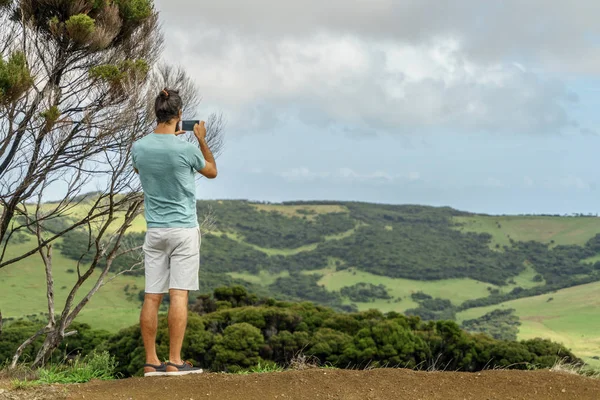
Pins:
x: 188, y: 125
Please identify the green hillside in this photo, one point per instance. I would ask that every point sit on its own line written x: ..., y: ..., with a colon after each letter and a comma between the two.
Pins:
x: 569, y: 316
x: 431, y: 262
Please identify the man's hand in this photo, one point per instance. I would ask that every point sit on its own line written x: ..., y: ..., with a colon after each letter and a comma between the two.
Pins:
x: 180, y: 131
x: 210, y: 168
x: 200, y: 131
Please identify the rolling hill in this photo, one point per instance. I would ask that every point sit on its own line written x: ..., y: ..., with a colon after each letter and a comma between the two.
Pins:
x: 426, y: 261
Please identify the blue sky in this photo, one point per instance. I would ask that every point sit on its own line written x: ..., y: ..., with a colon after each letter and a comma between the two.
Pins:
x: 485, y: 109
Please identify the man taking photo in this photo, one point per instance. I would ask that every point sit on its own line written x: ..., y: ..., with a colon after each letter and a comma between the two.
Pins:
x: 167, y: 167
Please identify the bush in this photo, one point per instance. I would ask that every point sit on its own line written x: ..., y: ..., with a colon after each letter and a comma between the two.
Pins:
x: 238, y: 338
x: 238, y: 347
x: 365, y: 292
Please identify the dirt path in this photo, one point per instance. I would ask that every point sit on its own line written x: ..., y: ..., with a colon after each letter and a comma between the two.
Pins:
x: 381, y: 384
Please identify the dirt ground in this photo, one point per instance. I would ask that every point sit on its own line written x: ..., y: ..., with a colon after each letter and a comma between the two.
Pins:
x: 377, y: 384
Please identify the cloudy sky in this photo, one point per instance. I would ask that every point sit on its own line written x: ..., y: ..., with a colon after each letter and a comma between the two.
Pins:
x: 483, y: 107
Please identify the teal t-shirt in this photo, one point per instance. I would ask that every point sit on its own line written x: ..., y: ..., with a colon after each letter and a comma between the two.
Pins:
x: 167, y: 167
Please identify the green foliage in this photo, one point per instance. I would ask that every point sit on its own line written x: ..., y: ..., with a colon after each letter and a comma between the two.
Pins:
x: 262, y: 368
x: 16, y: 238
x: 433, y: 310
x: 5, y: 3
x: 116, y: 73
x: 365, y: 292
x: 107, y: 72
x: 238, y: 346
x: 136, y: 67
x: 134, y: 11
x: 423, y: 250
x: 51, y: 115
x: 420, y: 296
x: 499, y: 324
x: 272, y: 333
x: 77, y: 246
x: 15, y: 77
x: 519, y: 293
x: 57, y: 19
x: 95, y: 365
x: 561, y: 262
x: 301, y: 286
x: 273, y: 229
x: 15, y: 333
x: 423, y: 244
x: 80, y: 27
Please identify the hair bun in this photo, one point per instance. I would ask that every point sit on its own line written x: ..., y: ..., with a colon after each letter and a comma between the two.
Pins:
x: 164, y: 94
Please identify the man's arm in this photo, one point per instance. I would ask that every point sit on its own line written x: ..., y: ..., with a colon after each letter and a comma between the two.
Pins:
x: 210, y: 167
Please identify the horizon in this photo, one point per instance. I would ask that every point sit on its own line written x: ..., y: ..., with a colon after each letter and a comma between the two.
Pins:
x: 573, y: 214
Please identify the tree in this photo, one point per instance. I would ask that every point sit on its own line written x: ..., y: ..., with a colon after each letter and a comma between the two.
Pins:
x: 76, y: 83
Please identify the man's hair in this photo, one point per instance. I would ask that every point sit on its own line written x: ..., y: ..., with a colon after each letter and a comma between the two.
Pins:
x: 167, y: 105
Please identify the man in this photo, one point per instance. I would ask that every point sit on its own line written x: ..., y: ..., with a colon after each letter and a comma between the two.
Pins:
x: 167, y: 167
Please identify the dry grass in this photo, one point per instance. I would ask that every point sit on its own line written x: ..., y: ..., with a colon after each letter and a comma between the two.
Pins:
x: 564, y: 367
x: 302, y: 362
x: 20, y: 373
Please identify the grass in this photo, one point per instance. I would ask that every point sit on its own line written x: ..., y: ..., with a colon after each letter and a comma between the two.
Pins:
x: 271, y: 252
x: 524, y: 280
x: 575, y: 369
x: 455, y: 290
x: 308, y: 211
x: 570, y: 317
x: 80, y: 210
x: 263, y: 278
x: 574, y: 230
x: 25, y: 286
x: 95, y: 365
x: 592, y: 260
x: 289, y: 252
x: 262, y: 368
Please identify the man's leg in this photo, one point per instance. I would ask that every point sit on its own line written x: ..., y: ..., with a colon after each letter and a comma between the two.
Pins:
x: 178, y: 310
x: 156, y: 266
x: 185, y: 261
x: 149, y: 325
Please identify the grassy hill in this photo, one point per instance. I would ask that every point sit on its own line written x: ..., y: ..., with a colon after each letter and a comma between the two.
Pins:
x: 356, y: 256
x: 568, y: 316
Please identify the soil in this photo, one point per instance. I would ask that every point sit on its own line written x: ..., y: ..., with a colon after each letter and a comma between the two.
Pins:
x: 376, y: 384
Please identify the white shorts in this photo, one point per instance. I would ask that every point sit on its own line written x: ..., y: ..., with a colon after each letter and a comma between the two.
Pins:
x: 172, y: 259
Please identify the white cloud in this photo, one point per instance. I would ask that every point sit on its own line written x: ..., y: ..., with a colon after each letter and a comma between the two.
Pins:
x: 379, y: 87
x: 383, y: 65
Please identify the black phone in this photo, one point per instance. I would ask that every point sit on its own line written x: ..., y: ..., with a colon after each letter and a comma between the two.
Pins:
x: 188, y: 125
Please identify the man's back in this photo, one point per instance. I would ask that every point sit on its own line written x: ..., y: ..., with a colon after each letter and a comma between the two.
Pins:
x: 167, y: 168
